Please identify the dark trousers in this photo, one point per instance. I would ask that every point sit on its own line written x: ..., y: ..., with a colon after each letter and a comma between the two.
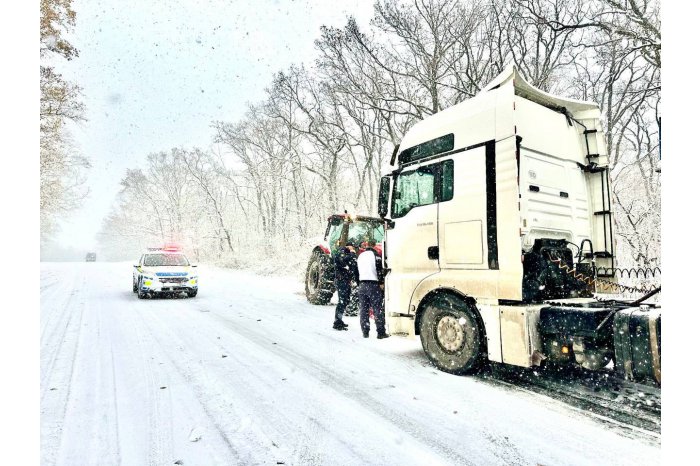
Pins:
x: 370, y: 295
x: 343, y: 287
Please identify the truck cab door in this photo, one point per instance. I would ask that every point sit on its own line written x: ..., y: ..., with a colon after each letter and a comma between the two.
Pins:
x: 411, y: 245
x: 463, y: 222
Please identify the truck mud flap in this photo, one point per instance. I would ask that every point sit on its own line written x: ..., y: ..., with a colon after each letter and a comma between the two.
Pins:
x: 638, y: 344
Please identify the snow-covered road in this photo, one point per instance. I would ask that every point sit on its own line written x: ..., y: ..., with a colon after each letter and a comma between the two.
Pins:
x: 249, y: 373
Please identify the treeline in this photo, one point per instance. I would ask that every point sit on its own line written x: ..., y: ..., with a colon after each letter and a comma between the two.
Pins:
x: 62, y: 169
x: 316, y: 144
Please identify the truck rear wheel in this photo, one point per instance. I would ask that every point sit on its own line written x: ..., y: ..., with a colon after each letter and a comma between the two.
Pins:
x: 451, y: 335
x: 319, y: 279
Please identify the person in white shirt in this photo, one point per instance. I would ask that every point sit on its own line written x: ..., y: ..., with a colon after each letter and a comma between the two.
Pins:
x: 371, y: 290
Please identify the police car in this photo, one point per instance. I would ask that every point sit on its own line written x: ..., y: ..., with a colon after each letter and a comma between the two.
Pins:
x: 163, y: 271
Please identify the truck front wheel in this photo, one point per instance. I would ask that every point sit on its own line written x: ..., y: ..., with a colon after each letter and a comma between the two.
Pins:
x: 319, y: 279
x: 451, y: 335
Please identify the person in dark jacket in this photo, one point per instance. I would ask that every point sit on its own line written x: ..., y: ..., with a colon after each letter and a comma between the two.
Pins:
x: 371, y: 290
x: 345, y: 275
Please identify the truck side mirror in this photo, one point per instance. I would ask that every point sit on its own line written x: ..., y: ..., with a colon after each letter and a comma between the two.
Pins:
x: 383, y: 200
x: 393, y: 155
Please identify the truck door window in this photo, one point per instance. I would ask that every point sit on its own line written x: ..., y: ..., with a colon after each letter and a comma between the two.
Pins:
x: 447, y: 181
x: 413, y: 189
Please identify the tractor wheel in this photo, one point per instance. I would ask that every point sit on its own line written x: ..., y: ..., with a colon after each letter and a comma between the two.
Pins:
x: 319, y: 279
x: 451, y: 335
x: 353, y: 307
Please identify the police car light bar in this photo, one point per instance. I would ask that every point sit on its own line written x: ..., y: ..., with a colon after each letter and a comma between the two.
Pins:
x: 167, y: 247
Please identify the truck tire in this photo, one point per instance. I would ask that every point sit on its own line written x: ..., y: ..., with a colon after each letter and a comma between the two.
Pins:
x: 451, y: 335
x: 319, y: 279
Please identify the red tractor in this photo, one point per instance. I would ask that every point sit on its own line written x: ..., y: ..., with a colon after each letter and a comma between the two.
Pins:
x: 342, y: 229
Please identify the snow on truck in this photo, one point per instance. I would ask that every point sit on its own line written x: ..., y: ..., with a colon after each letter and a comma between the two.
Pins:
x: 498, y: 231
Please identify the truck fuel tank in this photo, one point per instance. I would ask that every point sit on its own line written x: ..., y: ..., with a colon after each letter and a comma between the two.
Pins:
x: 638, y: 343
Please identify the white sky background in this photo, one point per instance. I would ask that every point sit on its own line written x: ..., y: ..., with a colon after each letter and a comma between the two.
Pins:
x: 156, y: 74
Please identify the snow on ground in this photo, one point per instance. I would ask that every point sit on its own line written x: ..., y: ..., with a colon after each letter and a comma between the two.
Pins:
x: 249, y: 373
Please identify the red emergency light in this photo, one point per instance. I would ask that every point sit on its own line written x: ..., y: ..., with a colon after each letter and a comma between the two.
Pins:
x: 171, y: 247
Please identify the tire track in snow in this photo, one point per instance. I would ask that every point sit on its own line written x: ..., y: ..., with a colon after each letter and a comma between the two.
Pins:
x: 252, y: 395
x: 174, y: 363
x: 90, y: 432
x: 329, y: 383
x: 57, y: 374
x: 54, y: 305
x: 160, y: 403
x: 360, y: 396
x: 247, y: 394
x: 368, y: 397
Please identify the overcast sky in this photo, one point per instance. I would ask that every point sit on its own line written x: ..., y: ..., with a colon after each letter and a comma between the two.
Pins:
x: 156, y: 74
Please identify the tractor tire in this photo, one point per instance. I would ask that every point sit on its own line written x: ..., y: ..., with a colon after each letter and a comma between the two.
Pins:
x: 353, y: 307
x: 319, y: 279
x: 451, y: 335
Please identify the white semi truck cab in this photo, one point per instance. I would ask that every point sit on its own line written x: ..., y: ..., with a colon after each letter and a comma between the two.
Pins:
x: 498, y: 224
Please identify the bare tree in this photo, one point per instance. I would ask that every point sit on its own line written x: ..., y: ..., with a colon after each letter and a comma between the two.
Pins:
x: 200, y: 167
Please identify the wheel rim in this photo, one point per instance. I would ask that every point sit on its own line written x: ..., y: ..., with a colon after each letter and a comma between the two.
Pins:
x: 312, y: 280
x: 449, y: 333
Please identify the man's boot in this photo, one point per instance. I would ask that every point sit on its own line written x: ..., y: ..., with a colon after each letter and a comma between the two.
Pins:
x: 340, y: 325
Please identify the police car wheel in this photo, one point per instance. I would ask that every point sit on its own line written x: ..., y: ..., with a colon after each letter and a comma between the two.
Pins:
x: 192, y: 294
x: 139, y: 292
x: 134, y: 286
x: 451, y: 335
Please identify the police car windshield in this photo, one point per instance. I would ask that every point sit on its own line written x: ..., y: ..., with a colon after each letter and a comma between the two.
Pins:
x: 159, y: 260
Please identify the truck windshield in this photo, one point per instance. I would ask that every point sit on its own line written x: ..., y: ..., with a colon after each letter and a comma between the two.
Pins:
x: 159, y: 260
